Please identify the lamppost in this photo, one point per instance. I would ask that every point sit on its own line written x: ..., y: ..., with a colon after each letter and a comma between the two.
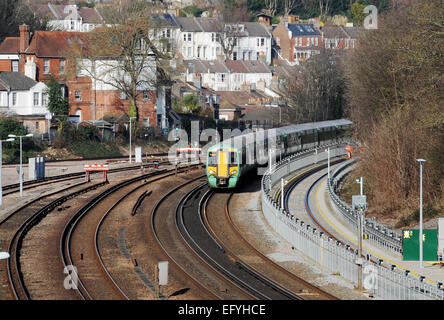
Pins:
x: 360, y: 203
x: 21, y: 169
x: 1, y: 164
x: 130, y: 151
x: 421, y: 161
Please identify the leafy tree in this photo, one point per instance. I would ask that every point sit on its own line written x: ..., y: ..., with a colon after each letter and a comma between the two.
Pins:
x: 57, y: 104
x: 357, y: 13
x: 191, y: 103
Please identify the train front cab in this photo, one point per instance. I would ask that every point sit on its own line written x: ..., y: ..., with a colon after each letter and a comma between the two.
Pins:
x: 223, y: 168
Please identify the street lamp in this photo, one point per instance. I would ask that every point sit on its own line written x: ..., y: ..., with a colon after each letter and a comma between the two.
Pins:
x: 130, y: 151
x: 421, y: 161
x: 21, y: 170
x: 1, y: 164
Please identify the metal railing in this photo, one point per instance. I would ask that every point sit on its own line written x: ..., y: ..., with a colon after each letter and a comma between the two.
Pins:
x: 378, y: 233
x: 385, y: 282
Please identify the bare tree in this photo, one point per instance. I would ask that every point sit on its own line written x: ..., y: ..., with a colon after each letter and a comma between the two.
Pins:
x: 124, y: 54
x: 228, y: 38
x: 271, y: 6
x: 290, y: 5
x: 314, y: 91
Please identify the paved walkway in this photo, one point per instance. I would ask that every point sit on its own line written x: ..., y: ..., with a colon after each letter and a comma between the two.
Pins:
x: 332, y: 221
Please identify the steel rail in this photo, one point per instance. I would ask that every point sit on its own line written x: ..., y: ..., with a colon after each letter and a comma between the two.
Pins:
x: 227, y: 275
x: 65, y: 240
x: 159, y: 242
x: 15, y: 242
x: 265, y: 258
x: 99, y: 225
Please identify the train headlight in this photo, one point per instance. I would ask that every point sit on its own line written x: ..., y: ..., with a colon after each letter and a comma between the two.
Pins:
x: 211, y: 171
x: 233, y: 172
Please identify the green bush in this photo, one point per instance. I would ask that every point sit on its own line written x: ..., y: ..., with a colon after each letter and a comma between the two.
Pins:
x: 92, y: 149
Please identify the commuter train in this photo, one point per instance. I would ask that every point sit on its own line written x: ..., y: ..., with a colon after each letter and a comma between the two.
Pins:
x: 228, y: 161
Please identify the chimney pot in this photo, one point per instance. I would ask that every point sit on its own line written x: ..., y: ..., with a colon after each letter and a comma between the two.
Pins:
x: 24, y: 37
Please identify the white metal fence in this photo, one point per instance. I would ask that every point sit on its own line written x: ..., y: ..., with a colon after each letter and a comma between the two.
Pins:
x: 385, y: 282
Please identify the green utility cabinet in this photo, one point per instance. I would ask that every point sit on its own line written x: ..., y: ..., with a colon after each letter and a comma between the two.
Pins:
x: 410, y: 244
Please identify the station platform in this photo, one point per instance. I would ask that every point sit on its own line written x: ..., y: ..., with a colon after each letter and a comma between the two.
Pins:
x: 326, y: 215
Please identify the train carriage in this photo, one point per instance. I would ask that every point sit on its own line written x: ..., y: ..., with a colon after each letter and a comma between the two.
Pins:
x: 228, y: 161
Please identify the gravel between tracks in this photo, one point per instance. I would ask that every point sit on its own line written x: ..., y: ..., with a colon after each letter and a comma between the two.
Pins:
x: 248, y: 217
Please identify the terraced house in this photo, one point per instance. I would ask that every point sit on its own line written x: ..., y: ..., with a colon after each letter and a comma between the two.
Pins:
x: 207, y: 38
x: 297, y: 42
x: 46, y: 54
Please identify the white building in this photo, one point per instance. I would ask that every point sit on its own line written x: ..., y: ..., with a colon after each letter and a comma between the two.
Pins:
x: 201, y: 38
x: 25, y: 99
x: 69, y: 17
x: 228, y: 75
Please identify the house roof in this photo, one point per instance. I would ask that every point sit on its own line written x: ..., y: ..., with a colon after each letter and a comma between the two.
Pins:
x: 256, y: 29
x: 247, y: 66
x: 165, y: 20
x: 299, y: 30
x: 55, y: 43
x: 340, y: 32
x: 210, y: 24
x: 334, y: 32
x: 264, y: 113
x: 10, y: 45
x: 203, y: 66
x: 189, y: 24
x: 90, y: 15
x: 353, y: 32
x: 242, y: 98
x: 16, y: 81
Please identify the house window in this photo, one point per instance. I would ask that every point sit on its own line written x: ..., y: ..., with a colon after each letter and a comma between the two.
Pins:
x: 213, y: 37
x: 45, y: 66
x: 44, y: 99
x: 14, y: 98
x: 72, y: 24
x: 234, y: 55
x: 184, y: 37
x: 36, y: 98
x: 146, y: 95
x: 62, y: 67
x: 278, y: 41
x: 262, y: 42
x: 189, y: 36
x: 15, y: 66
x: 78, y: 95
x: 36, y: 124
x: 222, y: 77
x: 122, y: 96
x: 168, y: 33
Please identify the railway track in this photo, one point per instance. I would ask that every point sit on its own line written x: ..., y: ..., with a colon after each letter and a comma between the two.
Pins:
x: 191, y: 224
x: 32, y: 184
x: 17, y: 225
x: 89, y: 219
x: 227, y: 234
